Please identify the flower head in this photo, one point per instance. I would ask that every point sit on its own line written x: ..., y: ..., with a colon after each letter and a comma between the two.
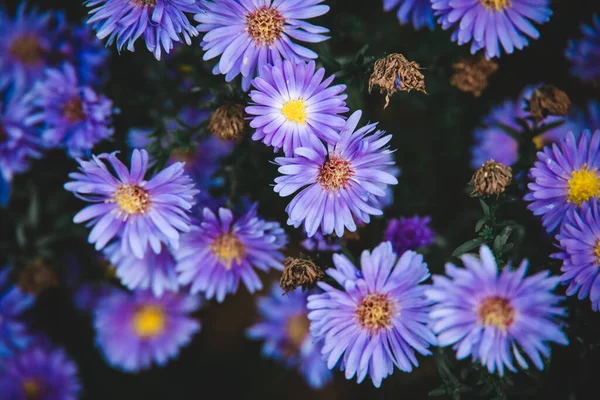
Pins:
x: 135, y: 330
x: 249, y: 34
x: 394, y: 73
x: 472, y: 74
x: 409, y: 233
x: 565, y: 176
x: 294, y: 107
x: 340, y: 183
x: 417, y: 12
x: 142, y: 211
x: 493, y: 315
x: 13, y: 302
x: 485, y: 22
x: 299, y: 272
x: 584, y: 53
x: 378, y: 320
x: 222, y: 250
x: 492, y: 178
x: 227, y: 122
x: 284, y: 328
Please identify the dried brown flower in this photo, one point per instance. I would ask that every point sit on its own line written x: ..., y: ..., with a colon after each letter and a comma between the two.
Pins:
x: 37, y: 277
x: 472, y: 74
x: 491, y: 179
x: 227, y: 122
x: 299, y: 272
x: 394, y: 73
x: 548, y: 100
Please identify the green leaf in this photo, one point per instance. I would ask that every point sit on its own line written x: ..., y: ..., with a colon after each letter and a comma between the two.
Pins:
x: 480, y: 223
x: 485, y: 208
x: 501, y: 239
x: 441, y: 391
x: 468, y: 246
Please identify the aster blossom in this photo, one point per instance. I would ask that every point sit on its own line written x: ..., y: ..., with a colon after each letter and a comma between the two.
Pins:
x: 409, y: 233
x: 416, y: 12
x: 13, y: 303
x: 142, y: 211
x: 136, y: 330
x: 496, y: 316
x: 584, y: 53
x: 221, y: 250
x: 564, y: 177
x: 340, y: 184
x: 379, y: 319
x: 484, y: 23
x: 293, y: 106
x: 284, y: 328
x: 248, y: 34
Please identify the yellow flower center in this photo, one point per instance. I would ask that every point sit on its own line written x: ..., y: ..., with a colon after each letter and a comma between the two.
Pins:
x: 228, y: 248
x: 335, y: 173
x: 73, y: 110
x: 295, y: 111
x: 149, y: 321
x: 538, y: 141
x: 496, y: 311
x: 296, y: 329
x: 27, y: 49
x: 32, y: 389
x: 375, y: 311
x: 144, y: 3
x: 583, y: 185
x: 597, y: 251
x: 497, y: 5
x: 131, y: 199
x: 265, y: 25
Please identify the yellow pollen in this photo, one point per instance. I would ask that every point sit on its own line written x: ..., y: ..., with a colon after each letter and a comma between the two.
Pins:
x: 538, y: 141
x: 144, y: 3
x: 375, y: 311
x: 148, y: 321
x: 295, y: 111
x: 228, y: 248
x: 335, y: 173
x: 597, y: 252
x: 73, y: 110
x: 27, y: 49
x: 496, y: 311
x: 265, y: 25
x: 498, y: 5
x: 131, y: 199
x: 32, y: 389
x: 297, y: 329
x: 583, y: 185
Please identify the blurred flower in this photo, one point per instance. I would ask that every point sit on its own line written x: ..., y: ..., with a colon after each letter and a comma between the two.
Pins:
x: 492, y: 178
x: 222, y: 250
x: 340, y: 182
x: 588, y: 117
x: 472, y: 74
x: 409, y: 233
x: 584, y: 53
x: 36, y: 277
x: 227, y: 122
x: 293, y: 107
x: 394, y: 73
x: 250, y: 34
x: 161, y: 22
x: 39, y: 373
x: 135, y: 330
x: 485, y: 22
x: 70, y: 115
x: 139, y: 138
x: 299, y: 272
x: 379, y: 319
x: 417, y: 12
x: 284, y: 327
x: 489, y: 315
x: 141, y: 212
x: 564, y: 177
x: 13, y: 303
x: 87, y: 295
x: 319, y: 242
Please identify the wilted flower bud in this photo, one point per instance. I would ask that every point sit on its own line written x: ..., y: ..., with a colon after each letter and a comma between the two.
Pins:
x: 548, y: 100
x: 394, y: 73
x: 227, y: 122
x: 472, y: 74
x: 492, y: 178
x: 299, y: 272
x: 37, y: 277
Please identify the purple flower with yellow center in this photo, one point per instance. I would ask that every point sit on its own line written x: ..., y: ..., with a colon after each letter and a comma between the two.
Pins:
x: 339, y: 183
x: 487, y: 22
x: 417, y: 12
x: 221, y: 250
x: 584, y: 53
x: 160, y: 22
x: 379, y: 319
x: 141, y: 211
x: 564, y: 177
x: 294, y: 107
x: 249, y: 34
x: 493, y: 316
x: 13, y: 303
x: 71, y: 116
x: 409, y: 233
x: 135, y: 330
x: 39, y: 373
x: 284, y: 328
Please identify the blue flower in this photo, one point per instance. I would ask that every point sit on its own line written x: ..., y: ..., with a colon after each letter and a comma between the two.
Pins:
x: 417, y: 12
x: 584, y: 53
x: 409, y: 233
x: 13, y: 302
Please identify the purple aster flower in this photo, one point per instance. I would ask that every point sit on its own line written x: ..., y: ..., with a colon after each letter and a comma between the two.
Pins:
x: 71, y: 116
x: 494, y: 316
x: 39, y: 373
x: 284, y: 328
x: 409, y: 233
x: 221, y: 250
x: 142, y: 211
x: 379, y: 319
x: 417, y: 12
x: 579, y: 239
x: 249, y: 34
x: 339, y: 183
x: 584, y: 53
x: 13, y: 302
x: 485, y: 22
x: 135, y: 330
x: 564, y: 177
x: 161, y: 22
x: 87, y: 295
x: 294, y: 107
x: 319, y: 242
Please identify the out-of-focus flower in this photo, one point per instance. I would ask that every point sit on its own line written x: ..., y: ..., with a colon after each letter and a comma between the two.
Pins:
x: 416, y: 12
x: 227, y: 122
x: 36, y: 277
x: 548, y: 100
x: 409, y: 233
x: 320, y: 242
x: 584, y: 53
x: 394, y: 73
x: 472, y: 74
x: 13, y: 302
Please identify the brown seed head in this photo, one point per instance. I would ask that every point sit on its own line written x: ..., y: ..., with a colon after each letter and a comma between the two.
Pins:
x: 472, y: 74
x: 491, y: 179
x: 227, y: 122
x: 299, y: 272
x: 394, y: 73
x: 37, y: 277
x: 548, y: 100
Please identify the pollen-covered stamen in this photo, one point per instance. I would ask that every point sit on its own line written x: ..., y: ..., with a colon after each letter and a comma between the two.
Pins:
x: 149, y: 321
x: 32, y: 389
x: 335, y: 173
x: 375, y: 311
x: 131, y: 199
x: 145, y: 3
x: 295, y: 111
x: 73, y: 110
x: 583, y: 185
x: 496, y: 311
x: 27, y: 49
x: 265, y: 25
x: 228, y: 248
x: 597, y: 251
x: 498, y: 5
x: 297, y: 329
